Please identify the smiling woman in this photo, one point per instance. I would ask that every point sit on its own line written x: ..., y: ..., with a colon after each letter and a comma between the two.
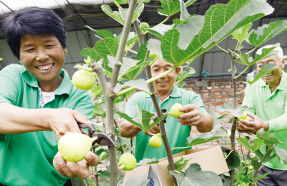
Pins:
x: 39, y: 89
x: 43, y: 57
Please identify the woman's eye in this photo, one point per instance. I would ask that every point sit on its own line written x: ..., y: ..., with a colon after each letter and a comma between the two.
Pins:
x: 49, y: 46
x: 30, y: 50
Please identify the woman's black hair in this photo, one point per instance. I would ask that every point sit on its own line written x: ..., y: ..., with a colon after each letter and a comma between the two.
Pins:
x: 33, y: 21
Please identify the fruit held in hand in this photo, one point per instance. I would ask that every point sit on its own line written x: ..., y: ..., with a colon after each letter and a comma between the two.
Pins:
x: 83, y: 79
x: 174, y: 110
x: 155, y: 141
x: 244, y: 116
x: 144, y: 26
x: 127, y: 161
x: 74, y: 146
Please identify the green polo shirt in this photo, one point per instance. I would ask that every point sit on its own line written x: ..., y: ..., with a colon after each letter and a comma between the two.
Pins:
x: 27, y: 158
x: 176, y: 132
x: 270, y: 107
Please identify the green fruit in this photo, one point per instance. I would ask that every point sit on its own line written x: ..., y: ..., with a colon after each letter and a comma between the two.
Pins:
x: 174, y: 110
x: 144, y: 26
x: 155, y: 141
x: 152, y: 56
x: 74, y: 146
x: 84, y: 80
x: 127, y: 161
x: 244, y: 116
x: 103, y: 155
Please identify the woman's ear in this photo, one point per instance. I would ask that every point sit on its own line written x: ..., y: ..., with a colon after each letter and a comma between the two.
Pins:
x: 65, y: 51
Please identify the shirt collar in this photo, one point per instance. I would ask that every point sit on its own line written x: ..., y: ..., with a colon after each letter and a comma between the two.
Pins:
x: 175, y: 92
x: 282, y: 85
x: 65, y: 87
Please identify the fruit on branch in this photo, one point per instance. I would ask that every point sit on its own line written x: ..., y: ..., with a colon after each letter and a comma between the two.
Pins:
x: 74, y: 146
x: 155, y: 141
x: 83, y: 79
x: 127, y: 161
x: 174, y: 110
x: 144, y: 26
x: 152, y: 56
x: 244, y: 116
x: 103, y: 155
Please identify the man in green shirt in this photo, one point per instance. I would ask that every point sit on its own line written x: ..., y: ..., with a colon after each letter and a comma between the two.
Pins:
x: 177, y: 130
x: 266, y: 101
x: 38, y: 103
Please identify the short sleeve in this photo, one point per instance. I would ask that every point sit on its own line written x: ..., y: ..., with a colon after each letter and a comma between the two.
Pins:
x: 10, y: 84
x: 195, y: 99
x: 131, y: 108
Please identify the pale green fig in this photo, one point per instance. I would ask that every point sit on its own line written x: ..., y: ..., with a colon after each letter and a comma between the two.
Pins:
x: 83, y: 79
x: 74, y: 146
x: 144, y: 26
x: 174, y: 110
x: 127, y: 161
x: 155, y: 141
x: 244, y: 116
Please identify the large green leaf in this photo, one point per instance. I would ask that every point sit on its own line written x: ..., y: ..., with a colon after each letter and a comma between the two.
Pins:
x: 227, y: 107
x: 242, y: 33
x: 255, y: 147
x: 122, y: 2
x: 139, y: 84
x: 266, y: 32
x: 232, y: 159
x: 89, y: 52
x: 185, y: 23
x: 144, y: 118
x: 184, y: 74
x: 281, y: 154
x: 196, y: 177
x: 268, y: 137
x: 127, y: 64
x: 245, y: 59
x: 220, y: 21
x: 267, y: 157
x: 148, y: 161
x: 134, y: 71
x: 159, y: 30
x: 204, y: 138
x: 121, y: 15
x: 105, y: 33
x: 170, y: 7
x: 141, y: 180
x: 143, y: 52
x: 103, y: 48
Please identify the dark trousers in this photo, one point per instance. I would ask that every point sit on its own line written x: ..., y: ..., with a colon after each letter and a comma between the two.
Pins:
x: 275, y: 178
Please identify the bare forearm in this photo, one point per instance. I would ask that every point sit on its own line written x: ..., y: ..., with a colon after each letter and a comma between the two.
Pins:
x: 206, y: 123
x: 14, y: 120
x: 128, y: 130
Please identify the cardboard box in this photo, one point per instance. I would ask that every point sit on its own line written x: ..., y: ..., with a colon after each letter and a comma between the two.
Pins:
x: 209, y: 159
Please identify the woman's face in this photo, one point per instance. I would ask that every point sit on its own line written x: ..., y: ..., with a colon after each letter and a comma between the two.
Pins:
x: 42, y: 56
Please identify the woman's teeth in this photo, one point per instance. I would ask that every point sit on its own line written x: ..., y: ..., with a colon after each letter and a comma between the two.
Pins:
x: 47, y: 67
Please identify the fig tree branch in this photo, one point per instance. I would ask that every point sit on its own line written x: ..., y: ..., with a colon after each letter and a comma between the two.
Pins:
x: 110, y: 99
x: 157, y: 107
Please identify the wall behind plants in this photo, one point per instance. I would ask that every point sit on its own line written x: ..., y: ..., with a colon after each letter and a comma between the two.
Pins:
x: 216, y: 92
